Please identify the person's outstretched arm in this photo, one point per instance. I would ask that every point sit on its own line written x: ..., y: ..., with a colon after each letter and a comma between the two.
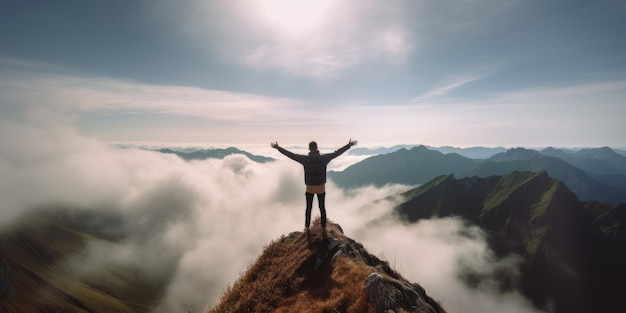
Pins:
x: 296, y: 157
x: 343, y: 149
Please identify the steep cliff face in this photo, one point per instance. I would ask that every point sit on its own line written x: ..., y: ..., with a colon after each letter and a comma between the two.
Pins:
x: 322, y: 271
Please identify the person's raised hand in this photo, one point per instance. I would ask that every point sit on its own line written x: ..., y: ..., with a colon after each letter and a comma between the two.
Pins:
x: 352, y: 142
x: 274, y: 145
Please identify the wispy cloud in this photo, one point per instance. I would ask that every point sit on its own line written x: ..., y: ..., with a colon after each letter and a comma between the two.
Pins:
x: 445, y: 89
x: 74, y: 95
x: 124, y: 110
x: 128, y: 111
x: 607, y: 90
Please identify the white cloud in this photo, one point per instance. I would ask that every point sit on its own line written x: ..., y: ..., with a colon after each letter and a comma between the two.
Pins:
x: 197, y: 225
x: 392, y: 42
x: 344, y: 35
x: 118, y: 110
x: 435, y: 253
x: 70, y: 94
x: 568, y: 93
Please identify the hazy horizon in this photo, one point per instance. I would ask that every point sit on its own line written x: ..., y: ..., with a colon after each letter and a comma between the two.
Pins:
x: 452, y: 73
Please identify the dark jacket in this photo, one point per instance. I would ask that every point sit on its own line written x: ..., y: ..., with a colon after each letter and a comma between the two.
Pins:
x: 314, y: 164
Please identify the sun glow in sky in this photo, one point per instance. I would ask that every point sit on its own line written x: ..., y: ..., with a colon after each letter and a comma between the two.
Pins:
x: 294, y: 16
x: 453, y: 72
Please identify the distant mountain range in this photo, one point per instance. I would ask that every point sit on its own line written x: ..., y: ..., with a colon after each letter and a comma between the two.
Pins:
x: 415, y: 166
x: 574, y: 252
x: 420, y: 164
x: 215, y: 154
x: 472, y: 152
x: 519, y: 159
x: 601, y: 161
x: 603, y: 164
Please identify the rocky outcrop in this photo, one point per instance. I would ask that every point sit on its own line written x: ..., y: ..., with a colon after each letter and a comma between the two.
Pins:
x: 388, y: 295
x: 386, y: 290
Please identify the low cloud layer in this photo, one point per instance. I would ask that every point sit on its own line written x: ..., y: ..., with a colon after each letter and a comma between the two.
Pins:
x: 198, y: 225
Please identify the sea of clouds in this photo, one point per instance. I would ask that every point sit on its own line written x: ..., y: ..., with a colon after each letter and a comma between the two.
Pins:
x: 196, y: 226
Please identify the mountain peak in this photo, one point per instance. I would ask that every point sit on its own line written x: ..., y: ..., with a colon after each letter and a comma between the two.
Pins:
x: 322, y: 271
x: 420, y: 148
x: 599, y: 153
x: 515, y: 154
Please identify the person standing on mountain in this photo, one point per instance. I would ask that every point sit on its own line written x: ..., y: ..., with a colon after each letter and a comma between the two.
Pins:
x: 314, y: 175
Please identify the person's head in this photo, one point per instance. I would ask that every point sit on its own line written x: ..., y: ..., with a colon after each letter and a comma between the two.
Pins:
x: 312, y: 146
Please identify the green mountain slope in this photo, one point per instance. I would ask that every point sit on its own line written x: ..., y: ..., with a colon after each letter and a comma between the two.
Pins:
x: 573, y: 251
x: 36, y: 250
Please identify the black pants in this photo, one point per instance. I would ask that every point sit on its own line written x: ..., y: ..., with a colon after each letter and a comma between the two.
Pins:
x: 309, y: 205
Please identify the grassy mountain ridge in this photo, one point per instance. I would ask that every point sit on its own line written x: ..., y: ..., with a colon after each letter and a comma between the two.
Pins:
x: 215, y: 154
x: 573, y: 251
x: 37, y: 249
x: 508, y: 204
x: 322, y: 272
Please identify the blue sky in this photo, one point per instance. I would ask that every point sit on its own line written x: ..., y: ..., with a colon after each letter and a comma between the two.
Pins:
x: 447, y: 72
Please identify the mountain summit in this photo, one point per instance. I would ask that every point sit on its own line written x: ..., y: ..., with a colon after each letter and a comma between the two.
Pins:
x: 322, y: 271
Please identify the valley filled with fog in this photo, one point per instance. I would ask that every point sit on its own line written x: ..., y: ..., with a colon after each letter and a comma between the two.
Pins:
x: 196, y: 225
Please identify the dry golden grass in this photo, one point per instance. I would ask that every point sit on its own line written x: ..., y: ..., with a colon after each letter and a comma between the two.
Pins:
x: 296, y: 274
x: 285, y: 278
x: 341, y: 292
